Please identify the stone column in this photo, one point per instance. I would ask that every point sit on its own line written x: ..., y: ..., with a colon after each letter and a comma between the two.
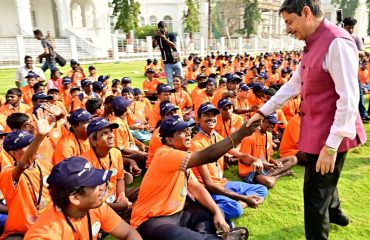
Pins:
x: 73, y: 46
x: 202, y: 47
x: 222, y: 42
x: 149, y: 40
x: 64, y: 16
x: 24, y: 17
x: 21, y: 49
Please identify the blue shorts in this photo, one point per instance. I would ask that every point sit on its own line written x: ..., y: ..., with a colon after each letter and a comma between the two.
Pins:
x: 252, y: 175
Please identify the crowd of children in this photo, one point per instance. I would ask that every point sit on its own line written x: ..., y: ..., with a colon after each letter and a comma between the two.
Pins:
x: 72, y: 144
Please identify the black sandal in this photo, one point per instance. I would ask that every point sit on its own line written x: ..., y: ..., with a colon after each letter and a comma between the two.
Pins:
x: 238, y: 233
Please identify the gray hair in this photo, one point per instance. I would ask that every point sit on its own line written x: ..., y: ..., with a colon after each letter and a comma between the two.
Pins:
x: 296, y: 6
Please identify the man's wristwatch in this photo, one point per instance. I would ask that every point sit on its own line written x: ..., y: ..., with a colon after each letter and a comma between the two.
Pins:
x: 330, y: 151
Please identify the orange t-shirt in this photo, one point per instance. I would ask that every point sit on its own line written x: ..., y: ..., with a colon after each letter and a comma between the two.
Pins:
x: 281, y: 117
x: 164, y: 187
x: 364, y: 76
x: 254, y: 100
x: 291, y: 108
x: 154, y: 143
x: 242, y: 104
x: 113, y: 162
x: 46, y: 150
x: 21, y: 199
x: 255, y: 145
x: 148, y: 104
x: 57, y: 133
x: 216, y: 169
x: 27, y: 93
x: 273, y: 79
x: 202, y: 98
x: 6, y: 161
x: 226, y: 128
x: 77, y: 77
x: 155, y: 114
x: 195, y: 93
x: 137, y: 113
x: 66, y: 98
x: 218, y: 95
x: 151, y: 85
x: 182, y: 100
x: 8, y: 109
x: 123, y: 138
x: 53, y: 225
x: 69, y: 146
x: 289, y: 142
x: 3, y: 126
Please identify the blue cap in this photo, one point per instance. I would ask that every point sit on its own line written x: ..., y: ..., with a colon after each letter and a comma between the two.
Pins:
x: 149, y: 70
x: 233, y: 77
x: 76, y: 172
x: 275, y: 66
x: 262, y: 75
x: 66, y: 80
x: 17, y: 139
x: 120, y: 102
x: 55, y: 69
x: 165, y: 88
x: 85, y: 82
x: 73, y: 62
x: 125, y: 80
x: 127, y: 90
x: 115, y: 81
x: 79, y: 115
x: 272, y: 118
x: 171, y: 125
x: 103, y: 78
x: 31, y: 74
x: 224, y: 102
x: 74, y: 89
x: 99, y: 124
x: 40, y: 95
x: 244, y: 87
x: 200, y: 76
x: 206, y: 107
x: 53, y: 90
x: 284, y: 70
x: 98, y: 86
x: 212, y: 80
x: 91, y: 67
x: 166, y: 107
x: 137, y: 91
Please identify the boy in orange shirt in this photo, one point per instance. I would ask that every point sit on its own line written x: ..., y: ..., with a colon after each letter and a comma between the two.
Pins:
x: 150, y: 85
x: 103, y: 155
x: 14, y: 105
x: 227, y: 121
x: 230, y: 196
x: 202, y: 82
x: 77, y: 191
x: 23, y: 186
x: 260, y: 146
x: 160, y: 211
x: 27, y: 91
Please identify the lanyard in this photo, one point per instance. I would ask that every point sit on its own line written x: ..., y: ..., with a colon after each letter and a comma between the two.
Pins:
x: 223, y: 122
x: 266, y: 154
x: 133, y: 111
x: 209, y: 136
x: 178, y: 102
x: 78, y: 142
x: 37, y: 200
x: 101, y: 164
x: 74, y: 229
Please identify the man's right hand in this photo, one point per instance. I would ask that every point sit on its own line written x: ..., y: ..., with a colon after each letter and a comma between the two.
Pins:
x: 252, y: 201
x: 254, y: 118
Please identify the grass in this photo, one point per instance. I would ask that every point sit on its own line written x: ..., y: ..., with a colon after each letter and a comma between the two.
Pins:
x: 281, y: 215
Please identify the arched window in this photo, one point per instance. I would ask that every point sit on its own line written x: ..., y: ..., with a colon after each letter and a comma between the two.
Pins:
x: 153, y: 20
x: 142, y: 21
x: 76, y: 14
x: 168, y: 20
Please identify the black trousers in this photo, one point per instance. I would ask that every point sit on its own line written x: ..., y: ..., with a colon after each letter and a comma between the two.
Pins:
x: 194, y: 222
x: 320, y: 197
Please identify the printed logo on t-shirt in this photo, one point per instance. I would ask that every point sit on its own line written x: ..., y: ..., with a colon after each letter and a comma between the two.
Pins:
x: 233, y: 129
x: 96, y: 228
x: 114, y: 172
x: 45, y: 179
x: 56, y: 134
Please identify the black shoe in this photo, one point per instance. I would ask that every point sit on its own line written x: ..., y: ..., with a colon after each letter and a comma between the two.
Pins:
x: 366, y: 118
x: 340, y: 219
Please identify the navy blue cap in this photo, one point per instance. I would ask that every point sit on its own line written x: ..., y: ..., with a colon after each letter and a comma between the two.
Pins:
x: 150, y: 70
x: 98, y: 86
x: 205, y: 107
x: 91, y: 67
x: 244, y: 87
x: 73, y: 62
x: 99, y: 124
x: 224, y: 102
x: 17, y: 139
x: 127, y: 90
x: 275, y: 66
x: 166, y: 107
x: 32, y: 74
x: 258, y: 87
x: 284, y: 70
x: 212, y: 80
x: 272, y: 118
x: 115, y: 81
x: 85, y: 82
x: 40, y: 95
x: 66, y: 80
x: 103, y: 78
x: 74, y: 89
x: 120, y: 102
x: 55, y: 69
x: 53, y: 90
x: 171, y: 125
x: 79, y: 115
x: 233, y: 77
x: 137, y: 91
x: 125, y: 80
x: 200, y: 76
x: 165, y: 88
x: 76, y: 172
x: 262, y: 75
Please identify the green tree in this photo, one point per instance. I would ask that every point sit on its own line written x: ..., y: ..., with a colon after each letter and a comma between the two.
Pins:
x: 191, y: 17
x: 144, y: 31
x: 252, y: 17
x: 348, y: 6
x: 127, y: 12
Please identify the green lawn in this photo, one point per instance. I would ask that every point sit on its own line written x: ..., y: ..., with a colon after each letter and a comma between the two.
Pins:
x: 281, y: 215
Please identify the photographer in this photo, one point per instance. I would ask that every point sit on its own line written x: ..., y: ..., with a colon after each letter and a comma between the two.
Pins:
x: 170, y: 56
x: 49, y: 54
